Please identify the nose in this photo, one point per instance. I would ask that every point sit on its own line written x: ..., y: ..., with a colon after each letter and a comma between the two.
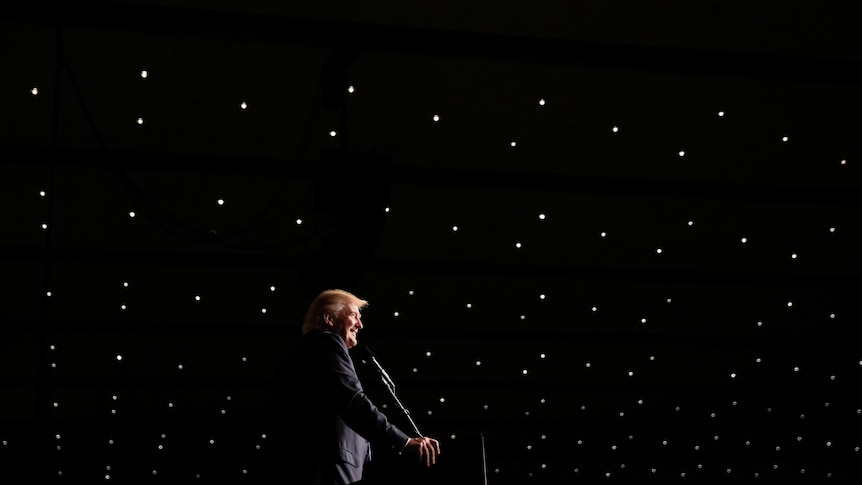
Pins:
x: 359, y: 323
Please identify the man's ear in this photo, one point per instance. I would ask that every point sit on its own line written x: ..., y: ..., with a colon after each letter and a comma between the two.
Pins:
x: 328, y: 320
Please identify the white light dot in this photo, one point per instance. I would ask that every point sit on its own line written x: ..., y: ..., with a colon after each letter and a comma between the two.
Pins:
x: 615, y: 129
x: 454, y: 228
x: 243, y: 105
x: 332, y: 133
x: 658, y: 251
x: 351, y: 89
x: 144, y: 74
x: 517, y: 245
x: 843, y: 162
x: 41, y: 193
x: 140, y: 121
x: 784, y: 139
x: 34, y: 91
x: 119, y: 357
x: 682, y: 153
x: 299, y: 222
x: 132, y: 214
x: 603, y: 234
x: 435, y: 118
x: 272, y: 288
x: 513, y: 143
x: 541, y: 101
x: 44, y: 226
x: 721, y: 114
x: 743, y: 240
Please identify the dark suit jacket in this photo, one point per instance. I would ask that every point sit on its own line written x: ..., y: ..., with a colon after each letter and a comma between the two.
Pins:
x: 324, y: 420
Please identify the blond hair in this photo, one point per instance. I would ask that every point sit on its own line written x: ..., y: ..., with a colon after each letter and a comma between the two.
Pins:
x: 328, y: 302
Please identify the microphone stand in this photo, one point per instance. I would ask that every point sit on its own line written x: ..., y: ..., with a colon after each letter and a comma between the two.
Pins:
x: 484, y: 461
x: 390, y: 384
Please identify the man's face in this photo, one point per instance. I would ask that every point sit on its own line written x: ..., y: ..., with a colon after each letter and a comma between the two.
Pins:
x: 347, y: 323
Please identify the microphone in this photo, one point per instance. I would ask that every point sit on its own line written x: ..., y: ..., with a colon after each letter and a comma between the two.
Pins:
x: 383, y: 374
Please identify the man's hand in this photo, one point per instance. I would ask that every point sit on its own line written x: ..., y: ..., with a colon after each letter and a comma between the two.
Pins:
x: 426, y: 448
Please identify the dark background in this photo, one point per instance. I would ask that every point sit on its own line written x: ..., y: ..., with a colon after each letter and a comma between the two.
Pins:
x: 647, y: 280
